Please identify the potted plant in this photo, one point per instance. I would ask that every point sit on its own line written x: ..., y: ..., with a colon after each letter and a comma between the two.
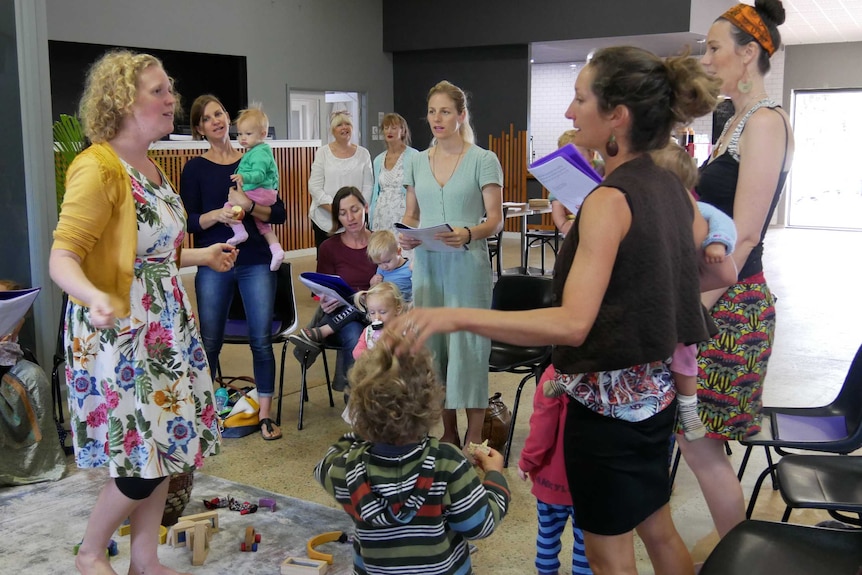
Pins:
x: 69, y: 141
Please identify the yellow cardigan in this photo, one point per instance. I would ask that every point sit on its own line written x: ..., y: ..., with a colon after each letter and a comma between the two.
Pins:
x: 98, y: 222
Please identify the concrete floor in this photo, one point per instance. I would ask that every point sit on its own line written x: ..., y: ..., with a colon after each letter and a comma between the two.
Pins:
x: 807, y: 270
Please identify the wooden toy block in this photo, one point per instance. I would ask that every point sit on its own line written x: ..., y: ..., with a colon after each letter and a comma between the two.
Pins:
x: 303, y: 566
x: 200, y: 542
x: 267, y: 502
x: 179, y: 535
x: 328, y: 537
x: 125, y: 529
x: 251, y: 540
x: 211, y: 516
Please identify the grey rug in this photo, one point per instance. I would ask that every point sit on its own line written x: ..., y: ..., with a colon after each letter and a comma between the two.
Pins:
x: 40, y: 524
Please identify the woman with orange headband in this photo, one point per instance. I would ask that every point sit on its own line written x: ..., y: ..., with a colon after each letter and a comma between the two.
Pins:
x: 744, y: 178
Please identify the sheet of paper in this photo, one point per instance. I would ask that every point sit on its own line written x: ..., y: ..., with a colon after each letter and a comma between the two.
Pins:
x: 568, y: 183
x: 426, y: 236
x: 13, y: 306
x: 320, y: 289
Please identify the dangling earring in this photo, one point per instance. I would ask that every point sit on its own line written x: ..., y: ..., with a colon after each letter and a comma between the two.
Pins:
x: 745, y: 84
x: 612, y: 147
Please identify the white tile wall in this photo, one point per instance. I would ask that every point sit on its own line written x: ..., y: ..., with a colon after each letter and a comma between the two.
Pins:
x: 552, y: 89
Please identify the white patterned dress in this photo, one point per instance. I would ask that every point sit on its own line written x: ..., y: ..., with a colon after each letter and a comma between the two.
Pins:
x: 140, y: 394
x: 392, y: 200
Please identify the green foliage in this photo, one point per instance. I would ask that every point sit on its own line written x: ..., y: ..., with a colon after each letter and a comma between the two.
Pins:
x: 69, y: 141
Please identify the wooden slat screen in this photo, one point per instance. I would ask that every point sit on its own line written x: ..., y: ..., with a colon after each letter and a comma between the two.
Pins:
x: 294, y: 167
x: 511, y: 149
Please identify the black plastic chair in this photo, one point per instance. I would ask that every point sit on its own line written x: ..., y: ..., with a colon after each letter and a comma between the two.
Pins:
x: 829, y: 482
x: 58, y: 360
x: 56, y: 386
x: 495, y: 247
x: 306, y: 359
x: 517, y: 293
x: 833, y: 428
x: 542, y: 239
x: 767, y: 548
x: 285, y: 320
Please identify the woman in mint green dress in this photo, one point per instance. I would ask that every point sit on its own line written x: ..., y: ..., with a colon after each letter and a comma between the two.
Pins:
x: 458, y: 183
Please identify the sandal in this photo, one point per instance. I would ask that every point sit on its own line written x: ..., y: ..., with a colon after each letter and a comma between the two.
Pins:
x: 271, y: 429
x: 307, y: 339
x: 312, y: 335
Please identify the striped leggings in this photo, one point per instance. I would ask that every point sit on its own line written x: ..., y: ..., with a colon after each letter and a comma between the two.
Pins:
x: 552, y: 522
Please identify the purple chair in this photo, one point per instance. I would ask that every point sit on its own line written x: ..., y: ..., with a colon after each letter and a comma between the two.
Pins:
x: 834, y: 428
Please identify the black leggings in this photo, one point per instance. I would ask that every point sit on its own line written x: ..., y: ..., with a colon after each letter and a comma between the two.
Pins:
x: 137, y: 488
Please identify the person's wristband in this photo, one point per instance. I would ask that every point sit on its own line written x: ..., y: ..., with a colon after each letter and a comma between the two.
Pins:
x: 469, y: 236
x: 251, y: 208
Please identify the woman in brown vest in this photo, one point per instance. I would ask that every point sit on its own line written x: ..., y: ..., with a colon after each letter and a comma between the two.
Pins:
x: 626, y: 282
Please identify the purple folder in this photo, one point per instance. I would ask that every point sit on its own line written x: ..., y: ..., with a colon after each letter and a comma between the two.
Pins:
x: 571, y: 154
x: 805, y: 428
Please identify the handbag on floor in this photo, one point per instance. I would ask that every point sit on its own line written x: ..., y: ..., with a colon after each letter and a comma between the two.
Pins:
x: 243, y: 418
x: 498, y: 418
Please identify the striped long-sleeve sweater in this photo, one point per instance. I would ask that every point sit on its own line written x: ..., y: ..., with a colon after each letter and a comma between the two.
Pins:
x: 414, y: 506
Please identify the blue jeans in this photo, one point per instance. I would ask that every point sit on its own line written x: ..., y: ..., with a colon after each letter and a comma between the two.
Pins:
x: 345, y: 339
x: 214, y: 294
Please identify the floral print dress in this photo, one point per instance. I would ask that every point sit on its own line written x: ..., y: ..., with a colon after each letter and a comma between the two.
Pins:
x: 392, y: 200
x: 141, y: 394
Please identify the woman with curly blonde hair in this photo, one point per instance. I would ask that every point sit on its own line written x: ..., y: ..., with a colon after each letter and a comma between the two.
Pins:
x: 415, y: 501
x: 140, y: 391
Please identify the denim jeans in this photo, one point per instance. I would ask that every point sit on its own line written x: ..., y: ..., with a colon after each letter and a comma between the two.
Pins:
x: 344, y: 340
x: 214, y: 295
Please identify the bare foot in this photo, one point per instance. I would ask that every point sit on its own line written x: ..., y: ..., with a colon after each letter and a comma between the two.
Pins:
x: 93, y: 564
x: 155, y: 569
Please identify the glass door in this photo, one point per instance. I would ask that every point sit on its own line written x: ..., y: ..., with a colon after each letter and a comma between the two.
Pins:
x: 825, y: 188
x: 310, y: 111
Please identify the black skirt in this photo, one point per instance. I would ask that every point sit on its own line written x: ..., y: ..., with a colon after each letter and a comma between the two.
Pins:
x: 617, y: 470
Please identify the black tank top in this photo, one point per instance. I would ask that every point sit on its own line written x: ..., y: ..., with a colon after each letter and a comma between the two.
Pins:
x: 717, y: 186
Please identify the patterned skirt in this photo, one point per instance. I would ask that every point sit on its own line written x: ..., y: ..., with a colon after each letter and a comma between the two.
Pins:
x: 732, y: 365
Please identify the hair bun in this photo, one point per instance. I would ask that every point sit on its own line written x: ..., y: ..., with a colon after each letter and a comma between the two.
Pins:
x: 773, y: 10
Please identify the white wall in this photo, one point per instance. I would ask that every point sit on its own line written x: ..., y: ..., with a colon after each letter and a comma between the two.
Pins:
x: 552, y: 89
x: 318, y: 44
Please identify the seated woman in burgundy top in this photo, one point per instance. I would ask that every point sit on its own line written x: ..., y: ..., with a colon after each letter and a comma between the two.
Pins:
x: 344, y: 255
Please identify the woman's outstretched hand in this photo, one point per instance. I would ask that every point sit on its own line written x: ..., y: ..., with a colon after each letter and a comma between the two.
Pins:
x: 409, y: 332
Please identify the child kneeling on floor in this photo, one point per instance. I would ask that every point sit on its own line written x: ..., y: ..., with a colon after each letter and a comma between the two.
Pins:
x: 414, y: 500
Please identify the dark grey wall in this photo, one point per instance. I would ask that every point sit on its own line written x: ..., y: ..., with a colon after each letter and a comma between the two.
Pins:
x: 821, y: 66
x: 423, y: 25
x: 496, y: 80
x: 318, y: 45
x: 13, y: 193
